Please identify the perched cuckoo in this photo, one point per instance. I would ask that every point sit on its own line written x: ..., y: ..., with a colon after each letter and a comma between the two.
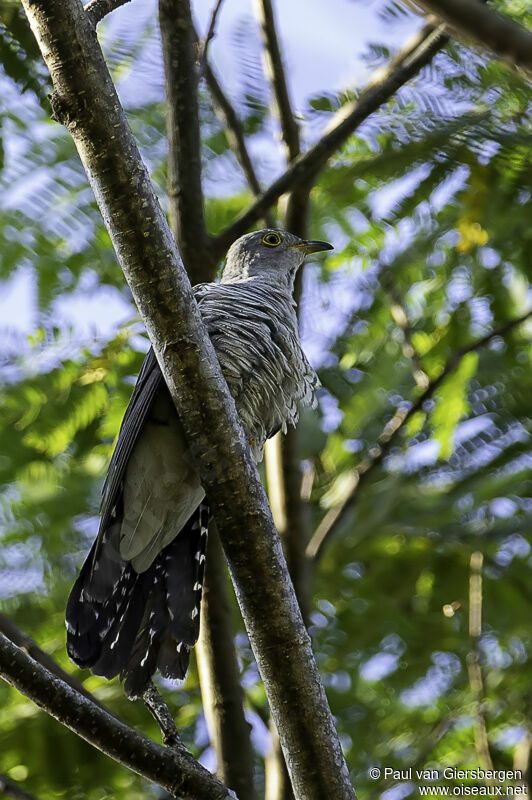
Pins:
x: 135, y: 605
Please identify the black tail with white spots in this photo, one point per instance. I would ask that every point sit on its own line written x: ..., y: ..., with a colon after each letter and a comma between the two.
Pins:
x: 123, y: 623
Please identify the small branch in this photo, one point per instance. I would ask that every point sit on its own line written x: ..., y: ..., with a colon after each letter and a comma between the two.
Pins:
x: 10, y: 789
x: 221, y: 692
x: 335, y: 516
x: 234, y: 132
x: 277, y: 77
x: 160, y: 712
x: 26, y: 643
x: 400, y: 317
x: 481, y: 24
x: 185, y: 193
x: 474, y: 670
x: 431, y: 739
x: 410, y: 60
x: 96, y: 10
x: 175, y: 771
x: 211, y: 32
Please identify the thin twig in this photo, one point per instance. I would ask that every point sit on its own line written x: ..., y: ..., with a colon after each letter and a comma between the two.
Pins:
x: 418, y: 52
x: 211, y: 32
x: 474, y: 670
x: 234, y: 132
x: 481, y: 24
x: 161, y: 713
x: 277, y: 77
x: 400, y: 317
x: 98, y: 9
x: 334, y: 516
x: 10, y: 789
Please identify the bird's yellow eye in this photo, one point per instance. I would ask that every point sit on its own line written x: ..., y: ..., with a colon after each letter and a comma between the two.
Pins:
x: 271, y: 239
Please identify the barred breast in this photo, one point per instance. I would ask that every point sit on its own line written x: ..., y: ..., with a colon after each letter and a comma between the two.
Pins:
x: 253, y: 327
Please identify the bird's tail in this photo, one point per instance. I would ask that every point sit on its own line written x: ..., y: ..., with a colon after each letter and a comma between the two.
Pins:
x: 120, y: 622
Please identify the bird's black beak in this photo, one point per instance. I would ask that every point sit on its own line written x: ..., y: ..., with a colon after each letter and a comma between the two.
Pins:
x: 311, y: 246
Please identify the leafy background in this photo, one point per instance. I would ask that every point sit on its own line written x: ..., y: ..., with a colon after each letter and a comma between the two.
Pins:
x: 429, y: 210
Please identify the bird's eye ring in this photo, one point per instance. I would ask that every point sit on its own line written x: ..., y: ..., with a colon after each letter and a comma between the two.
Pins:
x: 271, y: 239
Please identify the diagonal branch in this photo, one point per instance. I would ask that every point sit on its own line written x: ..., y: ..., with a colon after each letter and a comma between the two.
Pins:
x: 211, y: 32
x: 85, y: 100
x: 335, y: 516
x: 234, y: 132
x: 277, y: 77
x: 416, y: 54
x: 12, y: 790
x: 98, y: 9
x: 176, y: 771
x: 185, y: 193
x: 478, y: 22
x: 30, y: 646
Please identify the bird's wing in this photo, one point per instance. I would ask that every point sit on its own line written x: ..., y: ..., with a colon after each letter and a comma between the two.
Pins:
x: 148, y: 382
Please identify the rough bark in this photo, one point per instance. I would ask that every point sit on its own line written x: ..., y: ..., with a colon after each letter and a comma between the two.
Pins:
x: 177, y: 772
x: 86, y: 102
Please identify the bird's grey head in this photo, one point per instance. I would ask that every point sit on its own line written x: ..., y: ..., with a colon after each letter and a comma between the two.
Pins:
x: 272, y: 253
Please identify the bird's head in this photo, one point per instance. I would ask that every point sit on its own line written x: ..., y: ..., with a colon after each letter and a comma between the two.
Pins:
x: 269, y: 252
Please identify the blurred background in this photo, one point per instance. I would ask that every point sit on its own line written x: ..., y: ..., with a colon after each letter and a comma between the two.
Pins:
x: 417, y: 482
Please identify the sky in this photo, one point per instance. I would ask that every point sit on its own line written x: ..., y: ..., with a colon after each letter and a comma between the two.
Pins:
x: 324, y: 49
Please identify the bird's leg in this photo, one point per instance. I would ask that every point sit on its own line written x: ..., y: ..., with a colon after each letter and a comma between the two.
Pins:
x: 159, y: 710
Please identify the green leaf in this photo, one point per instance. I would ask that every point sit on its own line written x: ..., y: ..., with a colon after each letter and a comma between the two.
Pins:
x: 452, y: 403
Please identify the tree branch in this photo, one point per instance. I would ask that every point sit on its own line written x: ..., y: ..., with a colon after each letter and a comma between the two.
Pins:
x: 13, y: 790
x: 221, y: 692
x: 30, y: 646
x: 234, y: 132
x: 335, y: 516
x: 474, y: 671
x: 177, y: 772
x: 96, y: 10
x: 415, y: 55
x: 185, y: 193
x: 481, y: 24
x: 276, y: 74
x: 161, y: 714
x: 86, y: 102
x: 211, y: 32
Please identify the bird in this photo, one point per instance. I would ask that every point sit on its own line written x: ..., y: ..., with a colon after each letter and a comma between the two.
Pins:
x: 135, y: 606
